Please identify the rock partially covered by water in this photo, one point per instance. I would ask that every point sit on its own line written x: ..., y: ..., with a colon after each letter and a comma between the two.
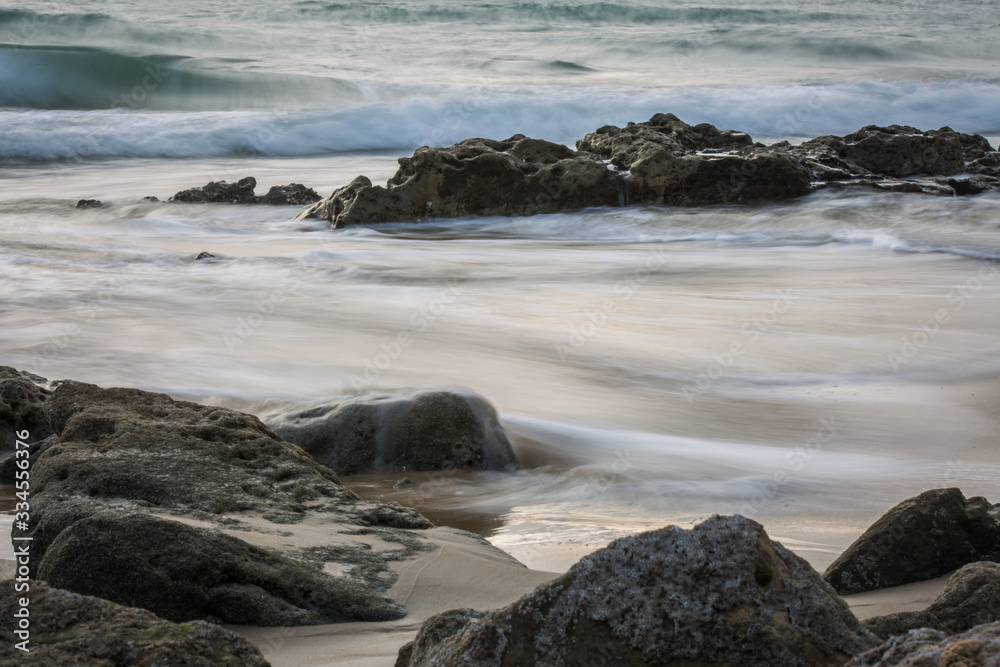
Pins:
x: 518, y: 176
x: 970, y: 598
x: 921, y: 538
x: 435, y: 430
x: 671, y: 162
x: 901, y: 150
x: 183, y: 573
x: 68, y: 629
x: 242, y: 192
x: 979, y: 647
x: 720, y: 593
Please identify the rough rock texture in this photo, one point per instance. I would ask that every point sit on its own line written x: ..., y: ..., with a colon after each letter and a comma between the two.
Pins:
x: 69, y: 629
x: 22, y: 400
x: 182, y: 573
x: 720, y: 593
x: 242, y: 192
x: 118, y: 455
x: 89, y: 203
x: 979, y: 647
x: 970, y: 598
x: 661, y: 161
x: 518, y: 176
x: 921, y: 538
x: 438, y: 430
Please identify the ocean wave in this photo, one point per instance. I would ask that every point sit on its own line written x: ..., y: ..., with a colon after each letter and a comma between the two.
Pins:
x: 87, y: 78
x: 398, y: 120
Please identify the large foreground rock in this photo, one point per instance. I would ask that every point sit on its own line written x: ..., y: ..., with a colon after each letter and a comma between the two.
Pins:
x: 69, y: 629
x: 124, y: 468
x: 518, y: 176
x: 720, y: 593
x: 439, y: 430
x: 979, y: 647
x: 183, y: 573
x: 921, y: 538
x: 970, y: 598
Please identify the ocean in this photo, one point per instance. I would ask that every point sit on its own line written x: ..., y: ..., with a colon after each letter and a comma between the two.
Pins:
x: 808, y: 363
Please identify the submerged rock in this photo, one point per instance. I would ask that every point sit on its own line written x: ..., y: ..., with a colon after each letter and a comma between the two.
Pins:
x: 921, y: 538
x: 89, y: 203
x: 720, y: 593
x: 183, y: 573
x: 438, y: 430
x: 970, y: 598
x: 979, y: 647
x: 518, y: 176
x: 242, y: 192
x: 68, y: 629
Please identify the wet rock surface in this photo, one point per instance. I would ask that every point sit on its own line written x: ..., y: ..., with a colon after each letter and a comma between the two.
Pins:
x: 242, y: 192
x: 720, y: 593
x: 123, y: 470
x: 22, y: 401
x: 921, y: 538
x: 423, y: 431
x: 661, y: 161
x: 70, y: 629
x: 970, y: 598
x: 979, y: 647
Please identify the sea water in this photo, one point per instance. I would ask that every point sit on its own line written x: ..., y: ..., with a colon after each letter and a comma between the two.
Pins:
x: 808, y: 363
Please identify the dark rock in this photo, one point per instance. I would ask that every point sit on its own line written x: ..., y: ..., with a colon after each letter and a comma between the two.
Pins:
x: 69, y: 629
x: 979, y: 647
x: 183, y: 573
x: 970, y: 598
x: 919, y: 539
x: 942, y: 188
x: 898, y: 151
x: 988, y: 165
x: 204, y: 254
x: 519, y: 176
x: 151, y: 198
x: 293, y: 194
x: 721, y: 593
x: 220, y: 192
x: 405, y: 483
x: 89, y: 203
x: 671, y: 162
x: 22, y: 401
x: 423, y: 431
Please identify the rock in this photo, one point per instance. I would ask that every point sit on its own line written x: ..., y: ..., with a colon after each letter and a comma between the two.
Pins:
x: 117, y: 456
x: 204, y: 254
x: 518, y: 176
x: 921, y: 538
x: 405, y: 483
x: 988, y: 165
x: 89, y: 203
x: 151, y: 198
x: 979, y: 647
x: 293, y: 194
x: 970, y: 598
x: 220, y: 192
x: 22, y: 400
x: 720, y: 593
x: 438, y: 430
x: 183, y: 573
x: 69, y: 629
x: 899, y: 151
x: 671, y: 162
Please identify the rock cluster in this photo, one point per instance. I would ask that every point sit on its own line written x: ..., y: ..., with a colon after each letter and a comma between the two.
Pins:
x: 661, y: 161
x: 69, y: 629
x: 979, y: 647
x: 434, y: 430
x: 921, y: 538
x: 124, y: 469
x: 242, y: 192
x: 720, y: 593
